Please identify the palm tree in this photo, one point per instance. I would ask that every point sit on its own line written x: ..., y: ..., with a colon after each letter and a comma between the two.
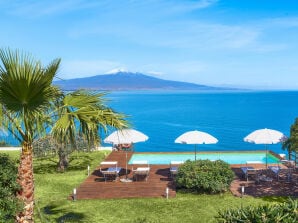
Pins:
x: 82, y: 113
x: 26, y: 94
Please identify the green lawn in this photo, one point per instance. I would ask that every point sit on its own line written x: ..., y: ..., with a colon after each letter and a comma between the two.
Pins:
x: 52, y: 205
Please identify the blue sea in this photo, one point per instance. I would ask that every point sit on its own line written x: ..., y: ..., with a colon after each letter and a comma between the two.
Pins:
x: 227, y: 115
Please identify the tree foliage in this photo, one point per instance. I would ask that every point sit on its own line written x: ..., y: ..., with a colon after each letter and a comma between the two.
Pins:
x: 204, y: 176
x: 291, y: 143
x: 80, y: 115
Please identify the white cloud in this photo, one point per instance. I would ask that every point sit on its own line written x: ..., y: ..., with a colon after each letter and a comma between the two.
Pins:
x: 116, y: 70
x: 287, y: 22
x: 155, y: 73
x: 185, y: 6
x: 35, y: 8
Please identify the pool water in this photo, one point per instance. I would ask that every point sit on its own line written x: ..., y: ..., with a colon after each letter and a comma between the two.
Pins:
x: 229, y: 157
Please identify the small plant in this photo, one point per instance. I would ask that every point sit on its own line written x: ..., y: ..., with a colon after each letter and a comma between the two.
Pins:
x: 204, y: 176
x: 286, y: 212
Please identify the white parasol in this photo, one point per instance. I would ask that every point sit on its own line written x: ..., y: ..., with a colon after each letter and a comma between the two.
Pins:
x: 265, y: 136
x: 196, y: 137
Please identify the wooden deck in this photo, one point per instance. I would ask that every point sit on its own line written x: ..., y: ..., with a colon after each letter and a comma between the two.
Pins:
x: 95, y: 187
x: 281, y: 187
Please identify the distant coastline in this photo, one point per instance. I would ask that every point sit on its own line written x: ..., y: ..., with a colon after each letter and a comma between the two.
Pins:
x: 127, y: 81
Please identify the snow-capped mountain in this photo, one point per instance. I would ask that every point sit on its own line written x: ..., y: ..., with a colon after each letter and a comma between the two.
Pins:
x: 124, y: 80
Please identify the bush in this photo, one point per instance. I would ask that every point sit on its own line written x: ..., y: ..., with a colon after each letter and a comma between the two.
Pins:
x: 286, y: 212
x: 204, y: 176
x: 9, y: 204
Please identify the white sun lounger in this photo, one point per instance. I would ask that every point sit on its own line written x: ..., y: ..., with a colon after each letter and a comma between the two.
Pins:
x: 110, y: 170
x: 140, y: 170
x: 174, y: 165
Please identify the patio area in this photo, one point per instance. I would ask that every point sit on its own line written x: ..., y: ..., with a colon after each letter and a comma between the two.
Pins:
x: 95, y: 186
x: 265, y: 186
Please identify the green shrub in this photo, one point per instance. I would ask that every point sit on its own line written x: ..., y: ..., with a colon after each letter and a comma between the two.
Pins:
x: 204, y: 176
x: 9, y: 204
x: 286, y: 212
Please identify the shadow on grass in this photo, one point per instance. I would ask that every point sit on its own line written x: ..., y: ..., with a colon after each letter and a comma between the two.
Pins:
x: 67, y: 217
x: 70, y: 217
x: 76, y: 162
x: 82, y: 160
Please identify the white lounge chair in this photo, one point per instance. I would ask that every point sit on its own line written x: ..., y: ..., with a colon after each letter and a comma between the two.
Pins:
x: 249, y: 171
x: 110, y: 170
x: 140, y: 170
x: 275, y: 170
x: 174, y: 165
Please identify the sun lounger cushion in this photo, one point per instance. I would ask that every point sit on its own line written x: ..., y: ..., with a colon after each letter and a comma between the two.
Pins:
x: 142, y: 169
x: 174, y: 169
x: 246, y: 169
x: 274, y: 169
x: 111, y: 172
x: 112, y: 169
x: 249, y: 171
x: 141, y: 172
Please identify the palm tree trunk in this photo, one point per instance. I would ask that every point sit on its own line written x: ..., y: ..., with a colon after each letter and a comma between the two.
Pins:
x: 26, y: 181
x: 63, y: 162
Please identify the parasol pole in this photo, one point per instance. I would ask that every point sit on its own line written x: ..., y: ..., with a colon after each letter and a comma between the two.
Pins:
x: 266, y: 156
x: 126, y: 163
x: 195, y: 152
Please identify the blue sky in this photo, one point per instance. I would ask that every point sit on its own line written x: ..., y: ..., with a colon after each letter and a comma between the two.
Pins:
x: 247, y: 43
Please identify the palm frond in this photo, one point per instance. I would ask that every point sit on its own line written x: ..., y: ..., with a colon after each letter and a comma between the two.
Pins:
x: 26, y: 91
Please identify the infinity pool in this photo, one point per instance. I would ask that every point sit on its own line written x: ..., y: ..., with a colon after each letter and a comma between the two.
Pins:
x: 229, y: 157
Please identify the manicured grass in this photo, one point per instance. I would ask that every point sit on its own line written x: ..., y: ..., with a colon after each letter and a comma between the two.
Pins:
x: 52, y: 190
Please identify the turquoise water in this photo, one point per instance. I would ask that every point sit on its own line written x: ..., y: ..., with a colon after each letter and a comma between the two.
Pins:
x: 229, y: 157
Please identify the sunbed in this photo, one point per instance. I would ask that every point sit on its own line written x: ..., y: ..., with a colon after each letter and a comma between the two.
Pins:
x: 249, y: 171
x: 174, y: 165
x: 110, y: 170
x: 282, y: 173
x: 275, y: 170
x: 140, y: 170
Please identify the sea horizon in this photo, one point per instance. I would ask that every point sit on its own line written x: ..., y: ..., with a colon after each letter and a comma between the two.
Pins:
x: 227, y: 115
